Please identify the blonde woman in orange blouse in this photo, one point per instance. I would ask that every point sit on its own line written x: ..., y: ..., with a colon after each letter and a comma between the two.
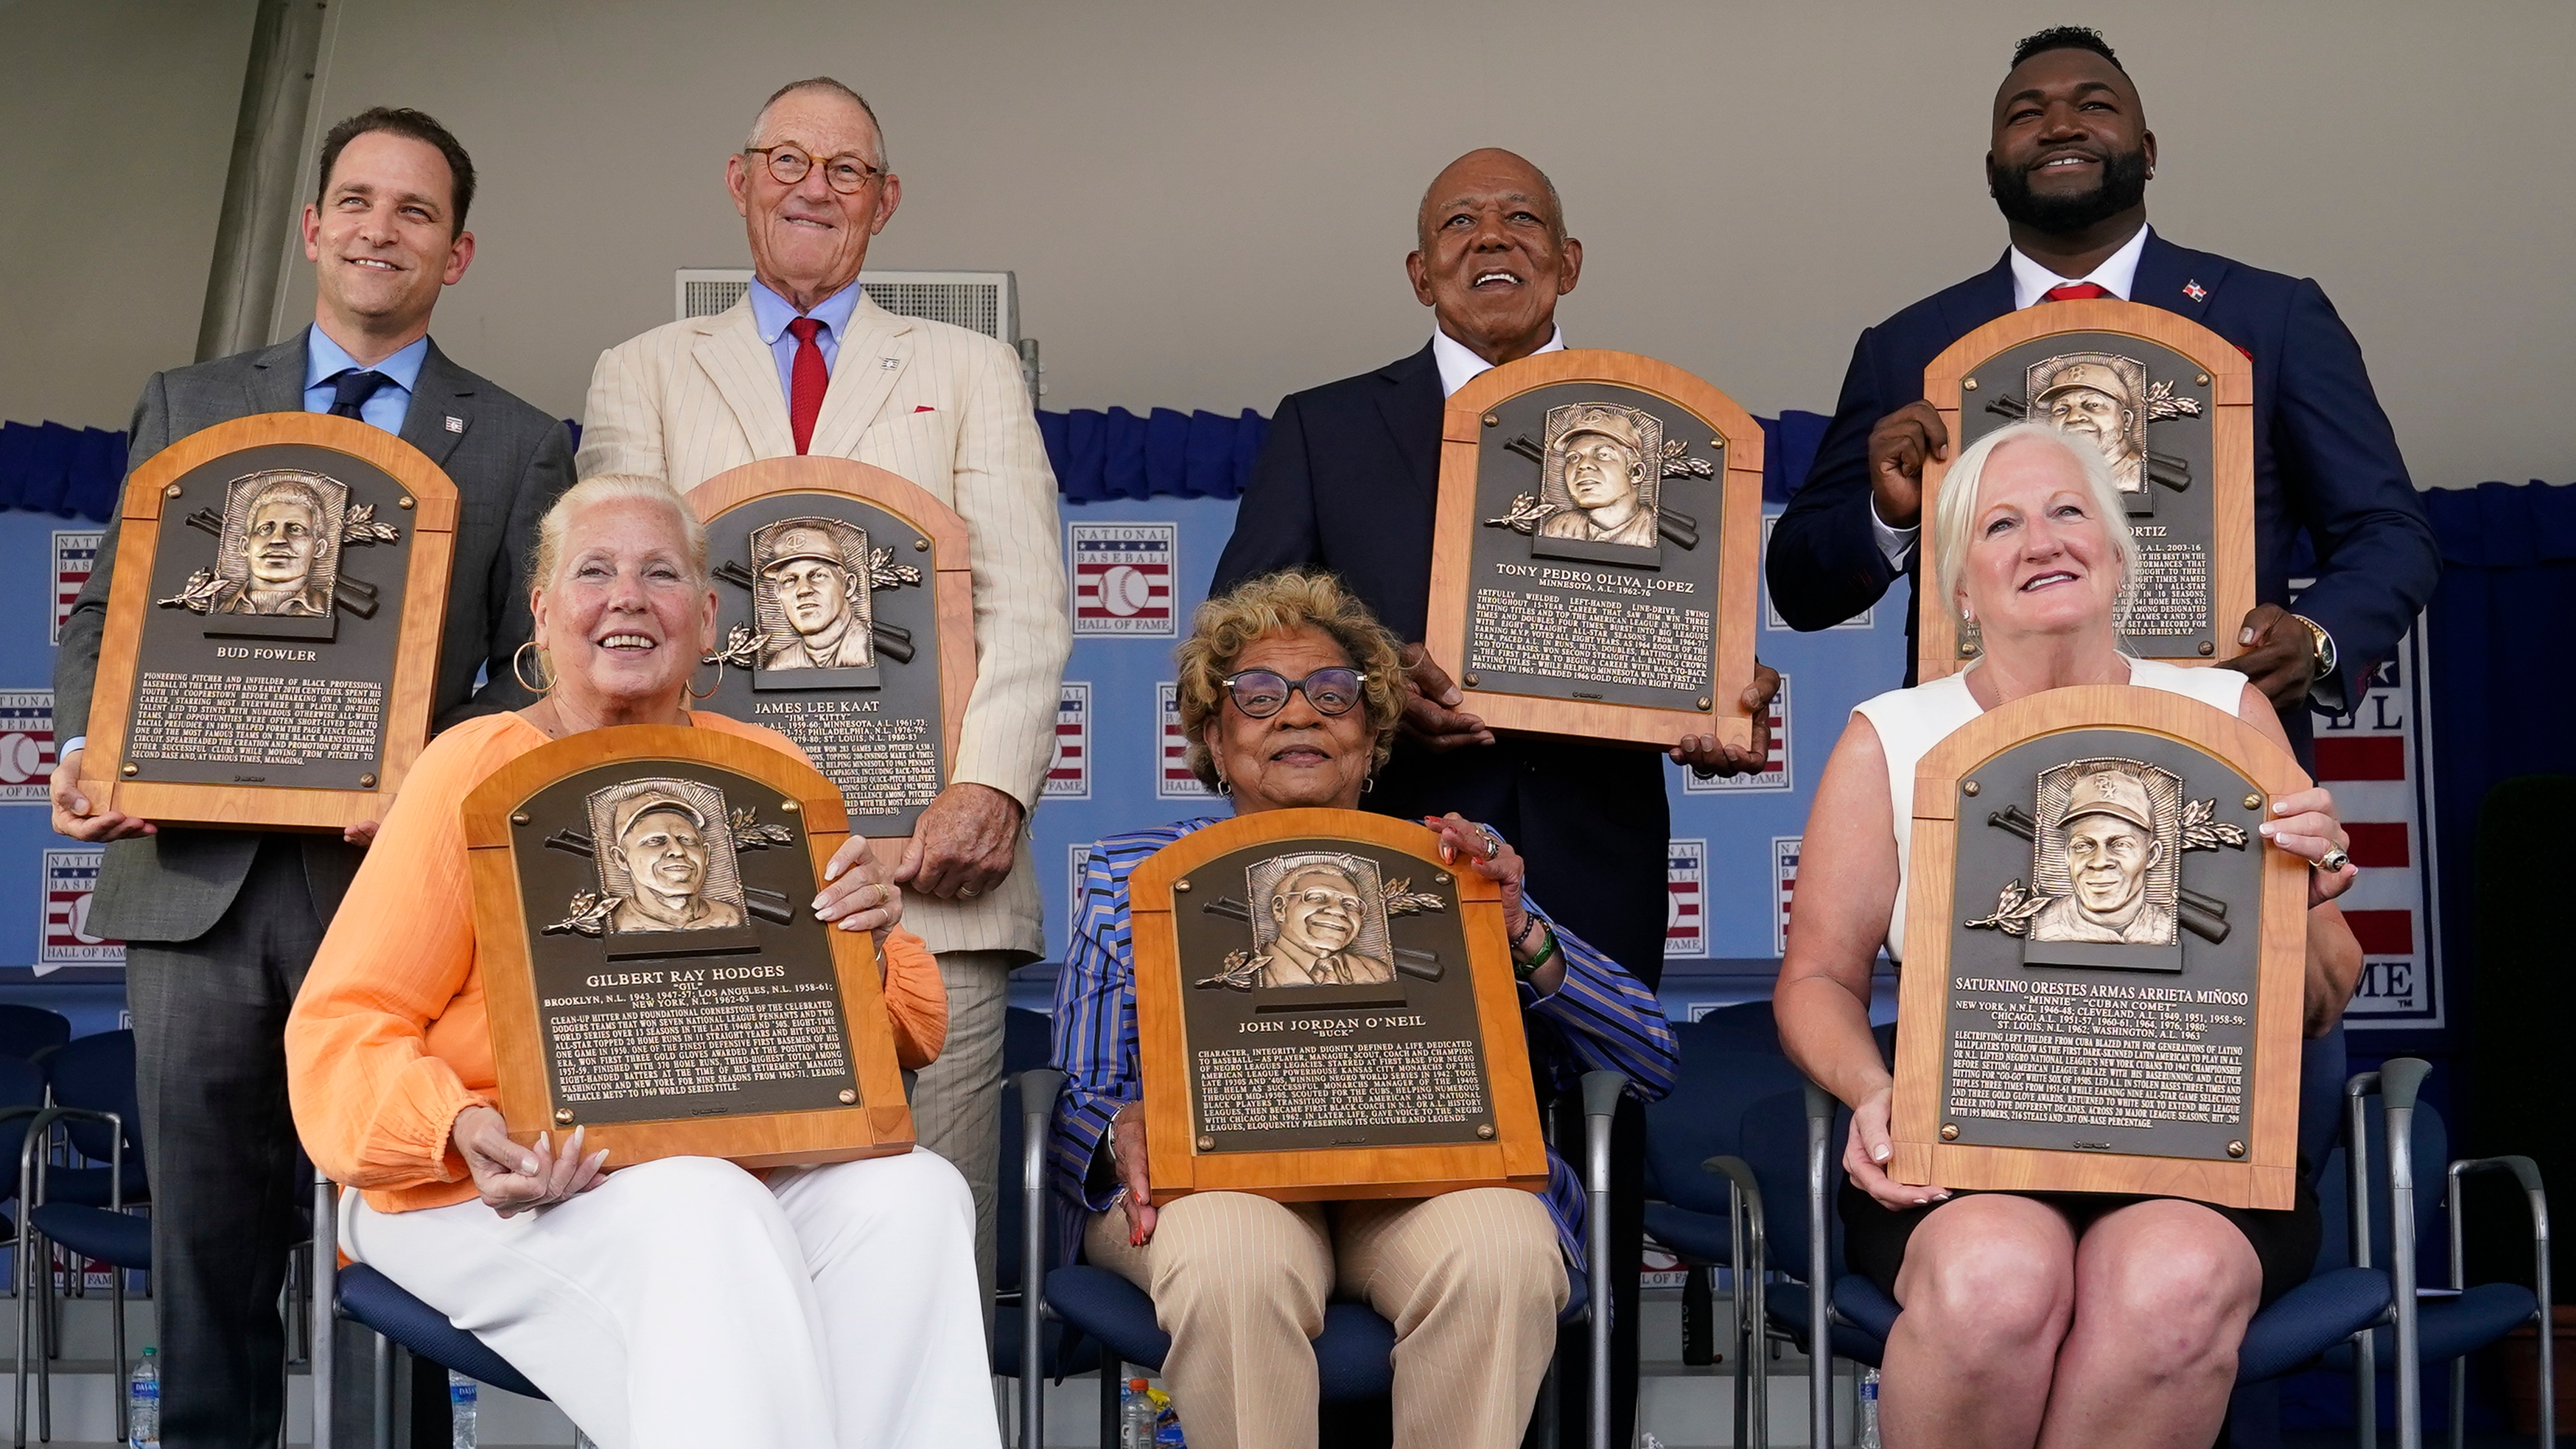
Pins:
x: 685, y: 1302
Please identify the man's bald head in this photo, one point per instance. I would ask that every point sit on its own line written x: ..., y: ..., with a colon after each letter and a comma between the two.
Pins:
x: 1491, y: 254
x: 1472, y: 175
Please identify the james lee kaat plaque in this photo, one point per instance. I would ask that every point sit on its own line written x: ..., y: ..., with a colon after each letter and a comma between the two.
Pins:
x: 2103, y: 962
x: 1326, y: 1011
x: 654, y: 970
x: 847, y: 624
x: 1593, y: 564
x: 2170, y: 405
x: 273, y: 628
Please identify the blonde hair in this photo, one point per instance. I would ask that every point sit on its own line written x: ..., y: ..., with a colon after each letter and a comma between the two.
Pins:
x: 1954, y: 514
x: 1275, y: 604
x: 615, y: 488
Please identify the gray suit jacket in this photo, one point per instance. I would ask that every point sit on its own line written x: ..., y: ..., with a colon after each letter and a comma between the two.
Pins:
x: 508, y: 461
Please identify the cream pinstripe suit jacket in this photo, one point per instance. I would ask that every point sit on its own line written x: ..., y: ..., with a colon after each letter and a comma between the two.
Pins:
x: 943, y: 407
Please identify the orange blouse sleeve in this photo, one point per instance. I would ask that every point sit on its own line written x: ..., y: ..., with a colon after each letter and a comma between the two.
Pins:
x: 916, y: 1000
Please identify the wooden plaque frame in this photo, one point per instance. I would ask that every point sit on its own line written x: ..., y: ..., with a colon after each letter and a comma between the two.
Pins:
x: 1516, y: 1158
x: 1739, y: 547
x: 952, y: 576
x: 2231, y: 387
x: 408, y: 695
x: 878, y: 1125
x: 2267, y: 1177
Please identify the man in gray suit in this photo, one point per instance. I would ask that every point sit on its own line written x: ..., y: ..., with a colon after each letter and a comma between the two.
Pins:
x: 220, y: 925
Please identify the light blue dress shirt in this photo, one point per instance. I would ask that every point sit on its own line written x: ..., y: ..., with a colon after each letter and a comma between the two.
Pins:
x: 770, y: 314
x: 325, y: 360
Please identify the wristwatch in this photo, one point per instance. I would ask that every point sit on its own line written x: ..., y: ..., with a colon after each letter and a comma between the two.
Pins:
x: 2322, y: 643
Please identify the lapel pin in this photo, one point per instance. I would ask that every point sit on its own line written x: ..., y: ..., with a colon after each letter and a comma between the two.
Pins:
x: 2195, y: 291
x: 889, y: 363
x: 456, y: 425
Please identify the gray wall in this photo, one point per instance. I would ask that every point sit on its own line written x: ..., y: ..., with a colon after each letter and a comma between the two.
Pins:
x: 1208, y: 205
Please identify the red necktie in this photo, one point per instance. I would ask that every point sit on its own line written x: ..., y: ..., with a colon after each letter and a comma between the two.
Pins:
x: 2071, y: 292
x: 805, y: 392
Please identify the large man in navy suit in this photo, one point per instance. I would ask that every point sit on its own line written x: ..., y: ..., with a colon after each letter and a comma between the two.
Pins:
x: 2068, y: 167
x: 1349, y: 481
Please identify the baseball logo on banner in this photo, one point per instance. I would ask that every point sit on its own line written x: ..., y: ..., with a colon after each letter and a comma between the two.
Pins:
x: 75, y: 553
x: 1077, y: 863
x: 70, y: 876
x: 1774, y: 774
x: 1069, y: 773
x: 1771, y: 619
x: 2375, y: 761
x: 1173, y: 778
x: 1784, y: 877
x: 26, y: 746
x: 1686, y: 913
x: 1124, y: 578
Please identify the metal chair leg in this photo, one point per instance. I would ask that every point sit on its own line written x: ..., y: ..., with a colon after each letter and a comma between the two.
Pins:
x: 2398, y: 1081
x: 1601, y: 1092
x: 1113, y: 1380
x: 384, y: 1393
x: 326, y: 1271
x: 1038, y: 1091
x: 1820, y: 1331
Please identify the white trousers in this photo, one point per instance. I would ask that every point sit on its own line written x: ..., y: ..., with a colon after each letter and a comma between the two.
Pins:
x: 685, y: 1303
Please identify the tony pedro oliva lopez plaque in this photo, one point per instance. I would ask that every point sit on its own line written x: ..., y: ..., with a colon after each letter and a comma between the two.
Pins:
x: 2171, y: 405
x: 1593, y: 566
x: 2103, y: 961
x: 272, y: 632
x: 846, y: 621
x: 654, y: 970
x: 1324, y: 1010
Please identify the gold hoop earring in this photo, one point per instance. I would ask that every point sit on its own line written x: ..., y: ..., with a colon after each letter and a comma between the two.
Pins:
x: 712, y: 688
x: 519, y: 673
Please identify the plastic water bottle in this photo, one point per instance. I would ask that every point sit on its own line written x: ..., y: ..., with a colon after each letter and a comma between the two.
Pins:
x: 143, y: 1403
x: 1135, y: 1417
x: 1866, y: 1434
x: 462, y: 1394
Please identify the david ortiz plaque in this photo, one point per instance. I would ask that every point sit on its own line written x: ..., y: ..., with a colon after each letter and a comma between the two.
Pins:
x: 846, y: 621
x: 272, y: 630
x: 1324, y: 1010
x: 2170, y: 404
x: 1595, y: 556
x: 2104, y: 964
x: 655, y: 972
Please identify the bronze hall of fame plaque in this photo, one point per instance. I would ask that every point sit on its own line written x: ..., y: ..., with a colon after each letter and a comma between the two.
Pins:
x: 273, y: 629
x: 846, y: 621
x: 2170, y: 404
x: 1594, y: 562
x: 2103, y: 963
x: 655, y: 972
x: 1325, y: 1010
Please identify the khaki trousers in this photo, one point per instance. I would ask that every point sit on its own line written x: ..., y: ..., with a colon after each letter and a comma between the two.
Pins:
x: 1471, y: 1280
x: 957, y: 1100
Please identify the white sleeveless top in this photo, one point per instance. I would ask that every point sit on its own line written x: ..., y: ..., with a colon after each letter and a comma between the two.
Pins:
x: 1911, y: 721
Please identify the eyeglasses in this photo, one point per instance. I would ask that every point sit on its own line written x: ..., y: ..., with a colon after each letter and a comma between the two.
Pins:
x: 1262, y: 693
x: 788, y: 163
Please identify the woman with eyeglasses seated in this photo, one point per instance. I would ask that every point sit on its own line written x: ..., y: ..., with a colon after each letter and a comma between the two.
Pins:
x: 2033, y: 1318
x: 674, y: 1304
x: 1289, y: 694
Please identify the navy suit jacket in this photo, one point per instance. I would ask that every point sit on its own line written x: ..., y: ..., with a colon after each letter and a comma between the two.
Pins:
x: 1349, y: 480
x: 2325, y: 459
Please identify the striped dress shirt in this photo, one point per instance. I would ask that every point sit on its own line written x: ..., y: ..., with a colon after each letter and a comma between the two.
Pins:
x: 1599, y: 1017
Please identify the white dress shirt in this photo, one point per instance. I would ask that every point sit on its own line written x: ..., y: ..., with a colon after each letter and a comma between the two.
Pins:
x: 1459, y: 366
x: 2031, y: 281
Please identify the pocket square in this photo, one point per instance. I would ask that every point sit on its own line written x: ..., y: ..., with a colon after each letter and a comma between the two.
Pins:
x: 923, y: 408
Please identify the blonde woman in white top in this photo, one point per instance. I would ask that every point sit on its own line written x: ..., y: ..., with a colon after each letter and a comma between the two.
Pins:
x: 2049, y: 1319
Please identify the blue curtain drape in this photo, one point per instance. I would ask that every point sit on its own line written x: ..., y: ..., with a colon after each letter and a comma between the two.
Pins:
x: 66, y: 471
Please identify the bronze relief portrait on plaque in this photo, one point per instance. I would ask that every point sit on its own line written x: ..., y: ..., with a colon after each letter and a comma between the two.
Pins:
x: 1598, y: 480
x: 1318, y: 918
x: 2106, y: 863
x: 665, y: 851
x: 278, y: 553
x: 812, y: 601
x: 2109, y: 399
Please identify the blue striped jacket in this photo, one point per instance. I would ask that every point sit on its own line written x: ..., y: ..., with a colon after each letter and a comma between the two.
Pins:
x: 1600, y: 1017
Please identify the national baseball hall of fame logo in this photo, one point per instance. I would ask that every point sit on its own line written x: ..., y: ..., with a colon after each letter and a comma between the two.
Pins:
x: 75, y: 553
x: 1784, y: 879
x: 2378, y: 762
x: 1774, y: 774
x: 1125, y: 578
x: 1068, y: 774
x: 1686, y: 907
x: 70, y: 876
x: 26, y: 746
x: 1173, y: 777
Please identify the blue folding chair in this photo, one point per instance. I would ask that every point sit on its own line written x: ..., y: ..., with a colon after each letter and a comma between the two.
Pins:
x: 90, y: 1098
x: 1354, y: 1356
x: 28, y: 1032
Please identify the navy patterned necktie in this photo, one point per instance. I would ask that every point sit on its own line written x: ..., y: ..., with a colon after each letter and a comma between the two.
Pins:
x: 351, y: 389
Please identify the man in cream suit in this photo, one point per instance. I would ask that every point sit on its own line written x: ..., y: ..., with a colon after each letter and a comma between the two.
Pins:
x: 807, y: 364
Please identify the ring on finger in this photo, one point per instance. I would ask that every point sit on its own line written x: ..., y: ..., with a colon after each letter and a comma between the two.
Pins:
x: 1493, y: 841
x: 2334, y: 860
x: 968, y: 892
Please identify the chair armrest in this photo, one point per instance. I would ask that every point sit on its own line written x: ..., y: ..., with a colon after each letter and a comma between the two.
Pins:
x: 2400, y: 1078
x: 2524, y: 1170
x: 1740, y: 1172
x: 31, y: 1182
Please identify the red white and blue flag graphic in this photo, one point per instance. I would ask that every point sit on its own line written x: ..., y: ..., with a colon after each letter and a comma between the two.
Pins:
x: 1173, y: 779
x: 2377, y: 761
x: 1774, y: 774
x: 1124, y: 577
x: 1069, y: 772
x: 26, y: 746
x: 1686, y: 913
x: 1784, y: 877
x: 75, y: 552
x: 70, y: 876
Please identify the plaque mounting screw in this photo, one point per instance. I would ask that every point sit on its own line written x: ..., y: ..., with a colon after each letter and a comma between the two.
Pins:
x: 2253, y: 802
x: 2236, y: 1149
x: 170, y: 492
x: 2207, y: 648
x: 403, y: 502
x: 1949, y: 1131
x: 921, y: 545
x: 519, y: 819
x: 787, y: 807
x: 1485, y: 1131
x: 1969, y: 788
x: 1440, y: 879
x: 1207, y: 1144
x: 366, y: 782
x: 563, y: 1116
x: 2203, y: 379
x: 1468, y: 680
x: 1704, y: 702
x: 1493, y: 421
x: 1969, y: 384
x: 131, y: 770
x: 849, y: 1096
x: 1182, y: 885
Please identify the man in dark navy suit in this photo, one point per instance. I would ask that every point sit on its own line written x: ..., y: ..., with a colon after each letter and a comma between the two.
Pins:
x: 1348, y: 481
x: 2069, y: 165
